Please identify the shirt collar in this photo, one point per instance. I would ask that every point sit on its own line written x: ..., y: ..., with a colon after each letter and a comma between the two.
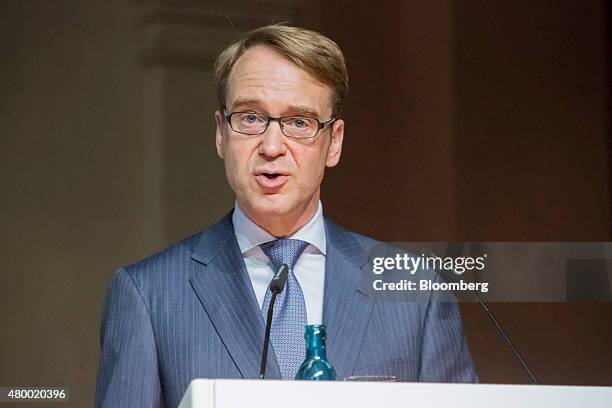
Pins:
x: 250, y: 235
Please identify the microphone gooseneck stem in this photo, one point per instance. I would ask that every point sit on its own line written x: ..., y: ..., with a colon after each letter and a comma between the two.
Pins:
x: 452, y: 277
x: 506, y: 338
x: 264, y: 356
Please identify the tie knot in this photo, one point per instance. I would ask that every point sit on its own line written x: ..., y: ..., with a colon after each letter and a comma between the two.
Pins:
x: 283, y: 251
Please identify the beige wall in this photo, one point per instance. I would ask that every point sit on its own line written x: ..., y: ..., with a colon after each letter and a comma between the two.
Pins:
x: 494, y: 127
x: 77, y: 201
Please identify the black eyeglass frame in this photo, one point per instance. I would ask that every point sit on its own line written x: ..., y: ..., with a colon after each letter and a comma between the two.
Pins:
x: 321, y: 125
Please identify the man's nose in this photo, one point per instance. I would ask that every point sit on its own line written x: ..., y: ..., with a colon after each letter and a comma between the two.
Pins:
x: 273, y: 141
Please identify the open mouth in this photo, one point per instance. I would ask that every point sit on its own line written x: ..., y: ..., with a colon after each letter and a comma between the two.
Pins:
x: 271, y: 180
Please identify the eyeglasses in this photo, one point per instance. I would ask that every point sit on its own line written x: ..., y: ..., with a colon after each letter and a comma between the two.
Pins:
x: 296, y: 127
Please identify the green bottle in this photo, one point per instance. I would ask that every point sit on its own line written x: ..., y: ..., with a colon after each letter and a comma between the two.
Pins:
x: 315, y: 366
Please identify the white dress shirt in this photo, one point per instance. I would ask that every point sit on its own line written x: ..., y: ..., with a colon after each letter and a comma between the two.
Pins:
x: 309, y: 269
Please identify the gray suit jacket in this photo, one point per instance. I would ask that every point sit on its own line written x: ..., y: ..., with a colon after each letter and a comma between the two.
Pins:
x: 190, y: 312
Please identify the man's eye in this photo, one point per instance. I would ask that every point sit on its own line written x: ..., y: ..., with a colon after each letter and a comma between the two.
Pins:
x: 251, y: 119
x: 298, y: 123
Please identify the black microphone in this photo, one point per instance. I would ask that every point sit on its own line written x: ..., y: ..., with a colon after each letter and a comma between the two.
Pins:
x: 276, y: 286
x: 452, y: 277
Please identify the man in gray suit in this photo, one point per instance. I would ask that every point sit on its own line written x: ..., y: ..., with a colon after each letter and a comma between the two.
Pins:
x: 195, y: 309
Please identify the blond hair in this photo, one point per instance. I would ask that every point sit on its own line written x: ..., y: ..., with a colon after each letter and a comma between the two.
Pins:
x: 309, y: 50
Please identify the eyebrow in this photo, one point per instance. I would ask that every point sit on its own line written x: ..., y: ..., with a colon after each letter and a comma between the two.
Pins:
x: 299, y: 109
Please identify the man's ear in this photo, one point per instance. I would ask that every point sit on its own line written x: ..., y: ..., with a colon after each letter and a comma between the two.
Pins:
x: 219, y: 133
x: 335, y: 147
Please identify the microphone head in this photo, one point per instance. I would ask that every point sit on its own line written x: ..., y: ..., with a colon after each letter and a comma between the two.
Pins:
x: 280, y: 279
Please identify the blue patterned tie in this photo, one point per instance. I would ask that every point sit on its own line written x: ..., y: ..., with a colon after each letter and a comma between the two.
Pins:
x: 289, y: 317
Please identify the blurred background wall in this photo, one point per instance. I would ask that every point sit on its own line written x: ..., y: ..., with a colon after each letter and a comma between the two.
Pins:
x: 466, y: 120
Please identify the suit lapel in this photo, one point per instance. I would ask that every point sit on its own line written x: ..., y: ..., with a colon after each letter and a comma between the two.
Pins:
x: 346, y: 310
x: 222, y: 284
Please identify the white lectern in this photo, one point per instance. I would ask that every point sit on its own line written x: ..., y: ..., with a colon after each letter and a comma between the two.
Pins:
x: 340, y: 394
